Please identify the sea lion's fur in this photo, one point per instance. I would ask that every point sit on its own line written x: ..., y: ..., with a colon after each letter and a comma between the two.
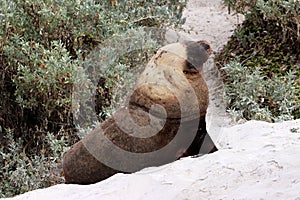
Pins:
x: 172, y: 80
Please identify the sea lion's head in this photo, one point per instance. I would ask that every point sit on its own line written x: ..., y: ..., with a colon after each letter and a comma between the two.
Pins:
x: 172, y: 84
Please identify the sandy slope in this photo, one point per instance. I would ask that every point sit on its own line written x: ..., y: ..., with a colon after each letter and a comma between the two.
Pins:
x: 257, y: 161
x: 209, y: 20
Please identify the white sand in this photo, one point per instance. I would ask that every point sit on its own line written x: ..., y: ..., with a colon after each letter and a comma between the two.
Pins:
x: 258, y: 160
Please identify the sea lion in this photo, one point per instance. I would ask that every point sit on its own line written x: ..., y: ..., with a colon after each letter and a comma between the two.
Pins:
x: 163, y: 119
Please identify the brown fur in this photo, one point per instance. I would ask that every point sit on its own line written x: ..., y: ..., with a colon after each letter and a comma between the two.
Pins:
x: 171, y: 79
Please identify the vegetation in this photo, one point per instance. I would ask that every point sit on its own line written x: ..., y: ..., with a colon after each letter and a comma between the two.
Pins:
x: 260, y: 64
x: 44, y: 46
x: 252, y: 95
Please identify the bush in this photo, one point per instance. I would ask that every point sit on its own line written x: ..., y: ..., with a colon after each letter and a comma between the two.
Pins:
x: 284, y: 13
x: 44, y: 46
x: 267, y: 46
x: 115, y: 66
x: 20, y: 173
x: 251, y: 95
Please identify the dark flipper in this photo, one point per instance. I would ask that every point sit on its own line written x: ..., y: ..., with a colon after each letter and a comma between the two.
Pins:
x: 202, y: 143
x: 208, y: 145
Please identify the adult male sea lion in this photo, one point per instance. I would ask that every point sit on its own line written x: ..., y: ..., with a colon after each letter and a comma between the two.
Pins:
x: 163, y: 120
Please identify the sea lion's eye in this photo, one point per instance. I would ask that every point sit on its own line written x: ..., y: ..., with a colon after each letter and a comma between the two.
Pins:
x: 190, y: 70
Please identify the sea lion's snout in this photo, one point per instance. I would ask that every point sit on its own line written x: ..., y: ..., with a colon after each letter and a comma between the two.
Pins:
x: 205, y: 46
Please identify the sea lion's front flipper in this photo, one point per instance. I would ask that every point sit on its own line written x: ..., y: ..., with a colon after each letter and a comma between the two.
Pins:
x: 208, y: 145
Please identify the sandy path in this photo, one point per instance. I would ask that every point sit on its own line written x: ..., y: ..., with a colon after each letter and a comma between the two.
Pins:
x: 209, y: 20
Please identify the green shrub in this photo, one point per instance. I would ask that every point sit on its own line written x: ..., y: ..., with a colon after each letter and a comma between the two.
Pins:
x: 267, y: 43
x: 285, y: 13
x: 44, y: 77
x: 116, y: 63
x: 251, y: 95
x: 20, y: 173
x: 44, y: 46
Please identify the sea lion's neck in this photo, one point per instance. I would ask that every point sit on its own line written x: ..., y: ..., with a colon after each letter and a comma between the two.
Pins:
x: 135, y: 107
